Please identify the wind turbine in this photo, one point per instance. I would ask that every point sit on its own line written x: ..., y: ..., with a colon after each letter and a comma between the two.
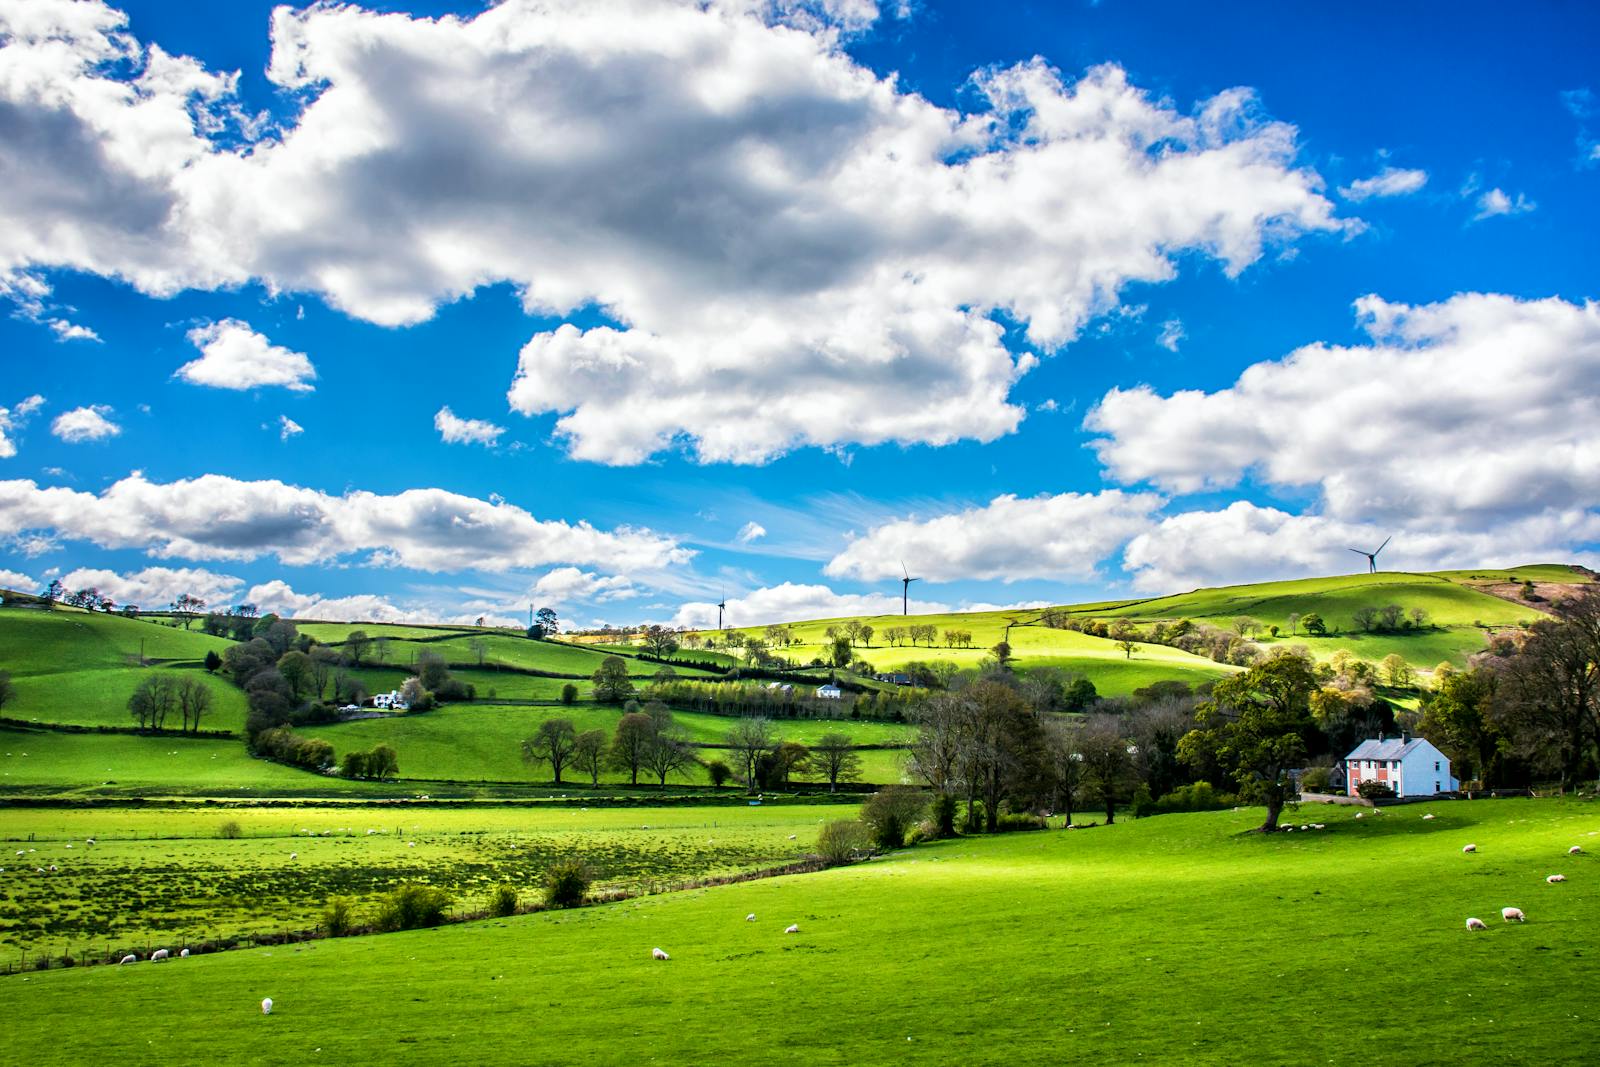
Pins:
x: 722, y: 604
x: 905, y: 589
x: 1372, y: 557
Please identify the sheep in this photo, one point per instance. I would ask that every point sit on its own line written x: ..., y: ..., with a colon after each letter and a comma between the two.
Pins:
x: 750, y: 918
x: 1360, y: 814
x: 1513, y: 915
x: 159, y: 954
x: 1554, y: 878
x: 658, y: 954
x: 294, y: 855
x: 1307, y: 826
x: 793, y: 836
x: 1476, y: 924
x: 89, y: 841
x: 1575, y: 850
x: 129, y: 958
x: 54, y: 868
x: 266, y: 1005
x: 1428, y: 816
x: 1469, y: 848
x: 793, y: 928
x: 184, y: 954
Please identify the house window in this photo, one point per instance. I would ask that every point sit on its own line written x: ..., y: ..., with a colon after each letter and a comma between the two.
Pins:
x: 1435, y: 765
x: 1435, y: 787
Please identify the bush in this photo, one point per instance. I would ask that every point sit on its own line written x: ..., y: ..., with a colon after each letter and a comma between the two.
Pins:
x: 1018, y: 820
x: 566, y: 884
x: 1315, y: 780
x: 1201, y: 796
x: 569, y: 694
x: 1142, y: 803
x: 411, y: 907
x: 230, y: 830
x: 891, y: 813
x: 1372, y: 789
x: 503, y: 901
x: 336, y: 917
x: 944, y: 815
x: 842, y: 841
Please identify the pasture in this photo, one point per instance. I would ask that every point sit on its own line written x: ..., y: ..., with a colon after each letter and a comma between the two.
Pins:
x: 483, y: 742
x: 1176, y: 939
x: 167, y: 875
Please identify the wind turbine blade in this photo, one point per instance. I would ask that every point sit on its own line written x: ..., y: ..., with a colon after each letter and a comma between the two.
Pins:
x: 1361, y: 552
x: 1386, y: 541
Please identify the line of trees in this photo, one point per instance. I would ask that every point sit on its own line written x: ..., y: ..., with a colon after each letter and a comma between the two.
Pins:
x: 162, y: 697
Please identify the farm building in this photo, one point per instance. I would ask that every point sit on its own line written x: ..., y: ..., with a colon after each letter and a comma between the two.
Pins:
x: 391, y: 701
x: 829, y: 692
x: 1411, y: 766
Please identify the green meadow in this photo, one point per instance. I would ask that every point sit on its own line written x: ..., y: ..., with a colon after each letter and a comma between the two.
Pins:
x: 1179, y: 939
x: 164, y: 875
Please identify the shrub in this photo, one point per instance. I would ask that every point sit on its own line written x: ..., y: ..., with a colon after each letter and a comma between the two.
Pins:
x: 503, y: 901
x: 569, y: 694
x: 1018, y: 820
x: 567, y: 883
x: 411, y: 906
x: 1201, y: 796
x: 843, y: 841
x: 1142, y: 803
x: 230, y: 830
x: 1372, y: 789
x: 891, y: 813
x: 336, y: 916
x: 1315, y: 780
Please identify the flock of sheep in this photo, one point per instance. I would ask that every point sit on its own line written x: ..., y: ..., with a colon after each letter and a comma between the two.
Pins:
x: 661, y: 954
x: 1509, y: 914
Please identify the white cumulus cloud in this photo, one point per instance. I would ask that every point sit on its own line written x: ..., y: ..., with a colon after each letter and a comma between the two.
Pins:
x: 234, y: 356
x: 214, y: 517
x: 751, y: 531
x: 453, y: 430
x: 1390, y: 181
x: 13, y: 419
x: 1060, y: 536
x: 568, y: 585
x: 287, y: 428
x: 779, y: 237
x: 1472, y: 411
x: 156, y: 587
x: 17, y: 581
x: 1499, y: 202
x: 85, y: 424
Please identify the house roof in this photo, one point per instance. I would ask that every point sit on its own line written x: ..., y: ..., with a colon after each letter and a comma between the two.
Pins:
x: 1394, y: 748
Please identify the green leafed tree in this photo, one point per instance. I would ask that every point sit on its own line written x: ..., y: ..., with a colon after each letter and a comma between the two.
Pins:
x: 1254, y: 728
x: 611, y: 683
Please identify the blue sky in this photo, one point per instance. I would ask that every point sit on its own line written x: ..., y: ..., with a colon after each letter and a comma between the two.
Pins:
x: 430, y: 311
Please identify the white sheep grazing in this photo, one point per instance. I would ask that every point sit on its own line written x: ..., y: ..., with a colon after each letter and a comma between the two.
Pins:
x: 1428, y: 816
x: 158, y: 955
x: 1575, y: 851
x: 1476, y: 924
x: 1513, y: 915
x: 90, y: 841
x: 129, y: 958
x: 658, y: 954
x: 1554, y: 878
x: 793, y: 836
x: 793, y: 928
x: 750, y: 918
x: 266, y: 1005
x: 184, y: 954
x: 1360, y: 814
x: 1469, y: 848
x: 294, y: 855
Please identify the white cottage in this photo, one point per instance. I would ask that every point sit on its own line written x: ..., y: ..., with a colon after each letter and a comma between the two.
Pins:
x: 829, y: 692
x: 1411, y: 766
x: 391, y: 701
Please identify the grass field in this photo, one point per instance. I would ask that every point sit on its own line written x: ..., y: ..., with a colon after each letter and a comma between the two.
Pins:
x: 1170, y: 940
x: 166, y: 874
x: 483, y: 742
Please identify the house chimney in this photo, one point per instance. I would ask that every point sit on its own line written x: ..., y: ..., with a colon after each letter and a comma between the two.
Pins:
x: 1380, y: 735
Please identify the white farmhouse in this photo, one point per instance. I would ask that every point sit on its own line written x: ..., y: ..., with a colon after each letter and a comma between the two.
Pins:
x: 391, y: 701
x: 829, y: 692
x: 1411, y: 766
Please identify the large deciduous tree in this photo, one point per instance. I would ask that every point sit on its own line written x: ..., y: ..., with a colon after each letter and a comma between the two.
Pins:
x: 834, y: 759
x: 553, y: 743
x: 1254, y: 729
x: 611, y: 684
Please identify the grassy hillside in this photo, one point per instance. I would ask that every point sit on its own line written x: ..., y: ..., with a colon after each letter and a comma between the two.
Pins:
x: 1459, y: 605
x: 1170, y: 940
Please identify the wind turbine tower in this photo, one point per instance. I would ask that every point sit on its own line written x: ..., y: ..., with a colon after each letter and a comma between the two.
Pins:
x: 1372, y: 557
x: 722, y: 605
x: 905, y: 589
